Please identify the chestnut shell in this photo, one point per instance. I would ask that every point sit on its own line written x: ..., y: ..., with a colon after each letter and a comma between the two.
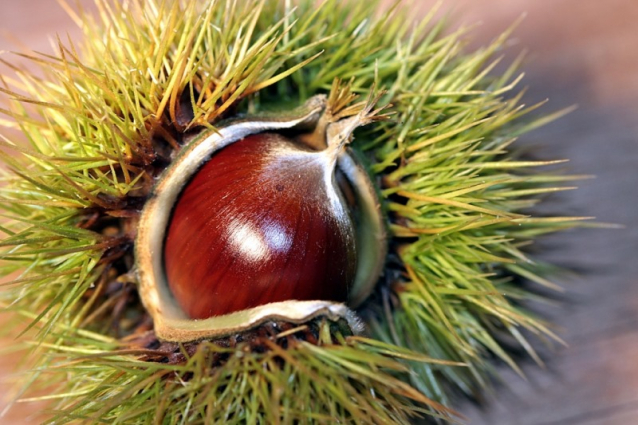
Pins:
x: 171, y: 322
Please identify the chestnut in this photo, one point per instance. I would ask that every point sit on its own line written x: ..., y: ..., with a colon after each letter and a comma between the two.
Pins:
x: 248, y: 225
x: 262, y: 221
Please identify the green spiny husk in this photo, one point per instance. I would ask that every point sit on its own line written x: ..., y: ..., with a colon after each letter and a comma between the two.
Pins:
x: 106, y: 118
x: 285, y: 380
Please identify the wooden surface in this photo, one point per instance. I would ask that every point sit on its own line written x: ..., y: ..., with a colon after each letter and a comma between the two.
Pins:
x: 585, y: 53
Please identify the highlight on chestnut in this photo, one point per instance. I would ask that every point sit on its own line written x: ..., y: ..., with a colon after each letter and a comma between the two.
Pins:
x: 264, y: 218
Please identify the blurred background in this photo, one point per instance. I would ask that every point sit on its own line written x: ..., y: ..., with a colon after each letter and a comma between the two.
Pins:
x: 581, y: 53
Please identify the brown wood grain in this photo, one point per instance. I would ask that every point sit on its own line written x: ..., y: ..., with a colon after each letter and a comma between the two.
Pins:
x: 581, y: 52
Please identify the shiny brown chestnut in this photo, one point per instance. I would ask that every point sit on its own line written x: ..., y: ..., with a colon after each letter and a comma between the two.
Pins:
x: 247, y: 225
x: 262, y: 221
